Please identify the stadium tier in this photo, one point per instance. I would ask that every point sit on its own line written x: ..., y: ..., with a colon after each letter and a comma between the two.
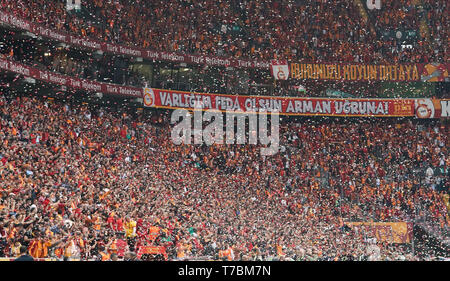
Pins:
x: 194, y: 69
x: 301, y: 30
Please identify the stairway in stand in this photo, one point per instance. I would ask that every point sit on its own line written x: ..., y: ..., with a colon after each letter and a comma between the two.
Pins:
x: 364, y: 15
x: 424, y: 30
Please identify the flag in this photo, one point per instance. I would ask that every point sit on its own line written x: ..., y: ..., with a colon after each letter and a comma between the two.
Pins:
x: 279, y: 69
x: 299, y: 88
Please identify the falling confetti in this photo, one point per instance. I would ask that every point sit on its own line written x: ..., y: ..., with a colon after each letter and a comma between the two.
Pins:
x: 86, y: 175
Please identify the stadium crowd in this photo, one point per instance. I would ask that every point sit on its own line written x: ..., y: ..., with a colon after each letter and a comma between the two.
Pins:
x: 310, y: 30
x: 122, y: 71
x: 436, y: 15
x: 296, y: 30
x: 84, y: 182
x: 395, y: 14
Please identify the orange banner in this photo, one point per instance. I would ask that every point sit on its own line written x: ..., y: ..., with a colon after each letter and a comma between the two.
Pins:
x: 152, y: 250
x: 391, y: 232
x: 431, y: 72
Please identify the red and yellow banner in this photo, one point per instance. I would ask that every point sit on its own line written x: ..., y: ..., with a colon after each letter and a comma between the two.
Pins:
x: 151, y: 250
x: 300, y: 106
x: 431, y: 72
x: 283, y: 105
x: 391, y: 232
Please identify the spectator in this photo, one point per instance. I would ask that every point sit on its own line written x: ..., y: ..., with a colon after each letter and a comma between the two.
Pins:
x: 24, y: 255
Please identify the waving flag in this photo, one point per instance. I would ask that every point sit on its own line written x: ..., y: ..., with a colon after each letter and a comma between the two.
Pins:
x: 279, y: 69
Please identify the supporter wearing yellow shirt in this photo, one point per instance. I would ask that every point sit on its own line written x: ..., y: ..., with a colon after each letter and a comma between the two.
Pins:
x: 15, y: 249
x: 130, y: 228
x: 130, y: 232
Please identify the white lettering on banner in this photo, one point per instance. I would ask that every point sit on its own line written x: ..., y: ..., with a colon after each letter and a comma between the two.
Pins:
x: 57, y: 79
x: 326, y: 107
x: 270, y: 105
x: 371, y: 108
x: 19, y: 23
x: 163, y: 96
x: 91, y: 44
x: 91, y: 86
x: 57, y: 36
x: 198, y: 60
x: 50, y: 33
x: 85, y: 42
x: 75, y: 40
x: 318, y: 108
x: 228, y: 104
x: 130, y: 92
x: 43, y: 31
x: 184, y: 100
x: 298, y: 106
x: 307, y: 106
x: 112, y: 89
x: 242, y: 63
x: 172, y: 57
x: 357, y: 107
x: 258, y: 64
x: 445, y: 107
x: 217, y: 61
x: 153, y: 55
x: 362, y: 107
x: 19, y: 69
x: 290, y: 107
x: 111, y: 48
x: 321, y: 107
x: 129, y: 51
x: 75, y: 83
x: 43, y: 75
x: 250, y: 105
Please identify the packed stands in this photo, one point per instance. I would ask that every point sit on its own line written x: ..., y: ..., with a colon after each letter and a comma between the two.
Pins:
x: 302, y: 30
x: 98, y: 177
x: 88, y: 176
